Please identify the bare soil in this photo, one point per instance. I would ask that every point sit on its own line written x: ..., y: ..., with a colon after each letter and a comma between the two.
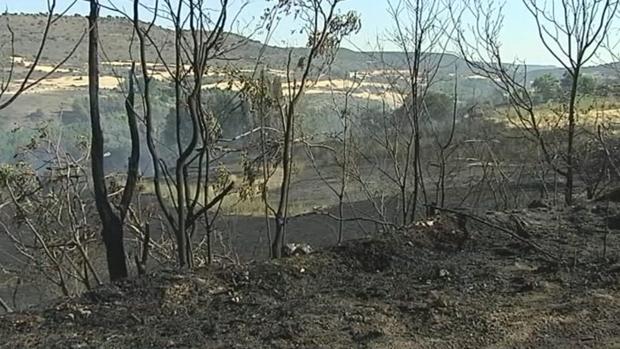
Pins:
x: 439, y: 286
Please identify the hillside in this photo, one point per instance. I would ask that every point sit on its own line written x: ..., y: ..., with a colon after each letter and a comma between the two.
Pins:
x: 435, y: 286
x: 116, y: 34
x: 600, y: 72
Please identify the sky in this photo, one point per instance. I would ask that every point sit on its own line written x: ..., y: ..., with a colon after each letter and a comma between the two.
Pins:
x: 519, y: 35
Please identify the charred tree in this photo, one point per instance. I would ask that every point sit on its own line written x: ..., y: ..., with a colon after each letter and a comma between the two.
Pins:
x: 111, y: 221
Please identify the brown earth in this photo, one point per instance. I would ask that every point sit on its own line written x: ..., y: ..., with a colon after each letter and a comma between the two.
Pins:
x: 438, y: 286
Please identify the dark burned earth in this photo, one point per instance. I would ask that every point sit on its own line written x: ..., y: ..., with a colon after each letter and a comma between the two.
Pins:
x: 554, y: 284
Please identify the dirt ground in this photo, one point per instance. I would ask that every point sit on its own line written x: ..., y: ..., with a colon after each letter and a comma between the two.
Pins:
x: 554, y: 284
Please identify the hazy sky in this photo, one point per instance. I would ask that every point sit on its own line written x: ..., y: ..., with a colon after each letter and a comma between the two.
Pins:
x: 519, y: 39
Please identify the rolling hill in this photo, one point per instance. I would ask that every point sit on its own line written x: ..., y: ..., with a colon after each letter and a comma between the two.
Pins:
x: 117, y: 46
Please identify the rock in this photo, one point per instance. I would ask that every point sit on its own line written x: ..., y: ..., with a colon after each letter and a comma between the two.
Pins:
x: 293, y: 249
x: 524, y: 267
x: 443, y: 273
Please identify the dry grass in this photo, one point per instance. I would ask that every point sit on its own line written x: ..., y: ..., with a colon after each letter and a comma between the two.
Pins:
x: 549, y: 117
x: 65, y: 80
x: 237, y: 204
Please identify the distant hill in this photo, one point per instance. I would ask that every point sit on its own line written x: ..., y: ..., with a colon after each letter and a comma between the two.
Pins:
x: 117, y: 46
x: 116, y: 39
x: 602, y: 71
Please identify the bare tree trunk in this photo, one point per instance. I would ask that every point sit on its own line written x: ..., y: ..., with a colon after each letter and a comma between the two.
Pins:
x: 264, y: 122
x: 287, y: 158
x: 112, y: 229
x: 343, y: 173
x: 568, y: 195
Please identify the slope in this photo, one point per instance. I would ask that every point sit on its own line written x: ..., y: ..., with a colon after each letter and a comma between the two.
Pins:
x: 429, y: 287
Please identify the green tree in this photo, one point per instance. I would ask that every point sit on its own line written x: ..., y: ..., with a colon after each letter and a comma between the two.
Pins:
x: 586, y: 86
x: 437, y: 107
x: 231, y: 114
x: 546, y: 88
x: 231, y: 111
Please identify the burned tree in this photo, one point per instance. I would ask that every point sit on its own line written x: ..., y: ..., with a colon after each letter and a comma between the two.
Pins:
x: 112, y: 222
x: 198, y: 40
x: 572, y: 32
x: 325, y: 29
